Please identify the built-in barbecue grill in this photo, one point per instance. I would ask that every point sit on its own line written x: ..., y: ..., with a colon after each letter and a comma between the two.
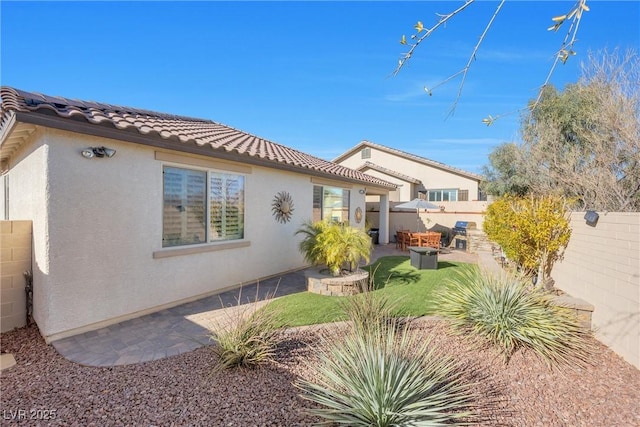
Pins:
x: 461, y: 227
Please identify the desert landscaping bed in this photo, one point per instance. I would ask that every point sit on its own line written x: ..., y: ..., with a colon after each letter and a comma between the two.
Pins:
x: 182, y: 390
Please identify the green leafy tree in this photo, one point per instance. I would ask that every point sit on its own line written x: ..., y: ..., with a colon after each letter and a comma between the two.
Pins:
x: 584, y: 141
x: 533, y: 231
x: 503, y: 175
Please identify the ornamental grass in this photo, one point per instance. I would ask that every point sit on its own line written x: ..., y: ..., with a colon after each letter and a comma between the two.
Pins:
x: 248, y: 336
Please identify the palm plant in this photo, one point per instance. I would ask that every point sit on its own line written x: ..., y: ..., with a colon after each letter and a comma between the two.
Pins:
x: 510, y: 314
x: 334, y: 244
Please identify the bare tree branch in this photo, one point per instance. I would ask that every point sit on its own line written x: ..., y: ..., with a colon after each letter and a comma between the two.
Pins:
x: 442, y: 20
x: 566, y: 48
x: 472, y: 58
x: 574, y: 15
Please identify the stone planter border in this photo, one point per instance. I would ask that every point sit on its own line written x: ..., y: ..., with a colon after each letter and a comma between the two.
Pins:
x: 323, y: 284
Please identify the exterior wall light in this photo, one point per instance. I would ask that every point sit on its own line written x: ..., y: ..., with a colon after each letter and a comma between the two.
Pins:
x: 98, y: 152
x: 591, y: 218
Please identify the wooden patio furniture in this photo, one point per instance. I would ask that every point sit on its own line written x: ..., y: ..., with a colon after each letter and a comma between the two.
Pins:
x: 411, y: 239
x: 430, y: 240
x: 400, y: 239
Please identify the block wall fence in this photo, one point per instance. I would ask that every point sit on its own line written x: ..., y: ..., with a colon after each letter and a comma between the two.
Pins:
x: 601, y: 265
x: 15, y: 259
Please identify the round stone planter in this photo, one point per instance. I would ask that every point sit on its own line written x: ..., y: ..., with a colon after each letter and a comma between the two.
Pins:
x: 339, y: 286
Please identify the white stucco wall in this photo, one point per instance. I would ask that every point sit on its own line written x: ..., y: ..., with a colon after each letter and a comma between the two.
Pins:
x: 405, y: 191
x: 4, y: 179
x: 104, y: 223
x: 29, y: 200
x: 431, y: 177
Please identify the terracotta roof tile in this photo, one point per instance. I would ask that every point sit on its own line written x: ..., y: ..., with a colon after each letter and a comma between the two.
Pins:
x: 410, y: 156
x: 370, y: 165
x: 183, y: 129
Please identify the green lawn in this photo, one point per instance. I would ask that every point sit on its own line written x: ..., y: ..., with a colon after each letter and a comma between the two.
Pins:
x: 394, y: 276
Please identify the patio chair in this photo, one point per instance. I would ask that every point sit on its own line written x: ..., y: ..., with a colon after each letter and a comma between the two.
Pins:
x: 410, y: 239
x: 432, y: 240
x: 400, y: 239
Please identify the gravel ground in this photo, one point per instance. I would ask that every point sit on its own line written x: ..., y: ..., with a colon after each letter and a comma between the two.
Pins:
x: 45, y: 389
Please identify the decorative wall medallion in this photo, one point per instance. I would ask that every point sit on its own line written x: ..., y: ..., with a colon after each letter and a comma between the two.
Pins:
x: 358, y: 215
x: 282, y: 207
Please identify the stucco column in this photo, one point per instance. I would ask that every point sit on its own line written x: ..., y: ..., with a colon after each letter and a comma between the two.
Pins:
x: 384, y: 220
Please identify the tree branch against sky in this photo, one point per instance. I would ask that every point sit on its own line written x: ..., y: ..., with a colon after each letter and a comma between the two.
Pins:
x: 573, y: 16
x: 582, y: 142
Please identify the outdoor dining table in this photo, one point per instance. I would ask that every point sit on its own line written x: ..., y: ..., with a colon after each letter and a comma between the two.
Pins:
x: 423, y: 238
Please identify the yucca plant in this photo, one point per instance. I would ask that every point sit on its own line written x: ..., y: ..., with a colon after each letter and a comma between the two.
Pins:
x: 510, y: 314
x: 386, y: 377
x: 334, y: 244
x: 248, y: 336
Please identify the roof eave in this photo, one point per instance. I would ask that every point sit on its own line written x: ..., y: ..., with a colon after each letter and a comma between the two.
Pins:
x: 350, y: 151
x: 408, y: 156
x: 87, y: 128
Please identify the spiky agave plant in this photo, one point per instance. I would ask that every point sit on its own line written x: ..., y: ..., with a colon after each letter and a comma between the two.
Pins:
x: 386, y: 377
x: 510, y: 314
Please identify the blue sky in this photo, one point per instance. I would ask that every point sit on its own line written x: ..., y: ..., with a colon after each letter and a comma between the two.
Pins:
x: 315, y: 76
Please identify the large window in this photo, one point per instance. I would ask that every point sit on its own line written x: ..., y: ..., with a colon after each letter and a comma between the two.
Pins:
x: 330, y: 203
x: 195, y: 198
x: 445, y: 195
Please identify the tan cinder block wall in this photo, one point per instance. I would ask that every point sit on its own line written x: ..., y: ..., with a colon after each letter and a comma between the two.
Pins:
x: 15, y: 259
x: 408, y: 220
x: 602, y: 266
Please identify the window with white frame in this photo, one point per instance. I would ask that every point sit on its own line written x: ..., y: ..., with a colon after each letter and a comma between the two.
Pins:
x: 330, y: 203
x: 365, y: 153
x: 201, y: 206
x: 443, y: 195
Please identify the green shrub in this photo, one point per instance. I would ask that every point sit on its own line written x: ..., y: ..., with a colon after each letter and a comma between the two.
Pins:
x: 510, y: 314
x: 248, y: 336
x: 386, y: 378
x: 334, y: 244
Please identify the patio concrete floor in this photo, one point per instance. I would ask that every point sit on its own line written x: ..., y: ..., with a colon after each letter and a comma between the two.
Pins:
x: 188, y: 326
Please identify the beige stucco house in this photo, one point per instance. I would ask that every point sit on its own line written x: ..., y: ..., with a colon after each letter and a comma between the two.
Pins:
x: 133, y: 211
x: 414, y: 176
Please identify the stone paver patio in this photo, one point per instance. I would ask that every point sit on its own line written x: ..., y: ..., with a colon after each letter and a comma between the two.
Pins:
x: 188, y: 326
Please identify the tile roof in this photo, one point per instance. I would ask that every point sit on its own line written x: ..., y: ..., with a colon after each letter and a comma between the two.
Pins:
x: 373, y: 166
x: 409, y: 156
x: 178, y: 130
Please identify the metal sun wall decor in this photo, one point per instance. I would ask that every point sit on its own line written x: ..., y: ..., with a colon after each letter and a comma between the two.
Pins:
x: 282, y: 207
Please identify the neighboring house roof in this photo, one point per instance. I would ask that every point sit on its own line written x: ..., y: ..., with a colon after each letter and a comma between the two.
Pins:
x: 403, y: 177
x: 193, y: 135
x: 408, y: 156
